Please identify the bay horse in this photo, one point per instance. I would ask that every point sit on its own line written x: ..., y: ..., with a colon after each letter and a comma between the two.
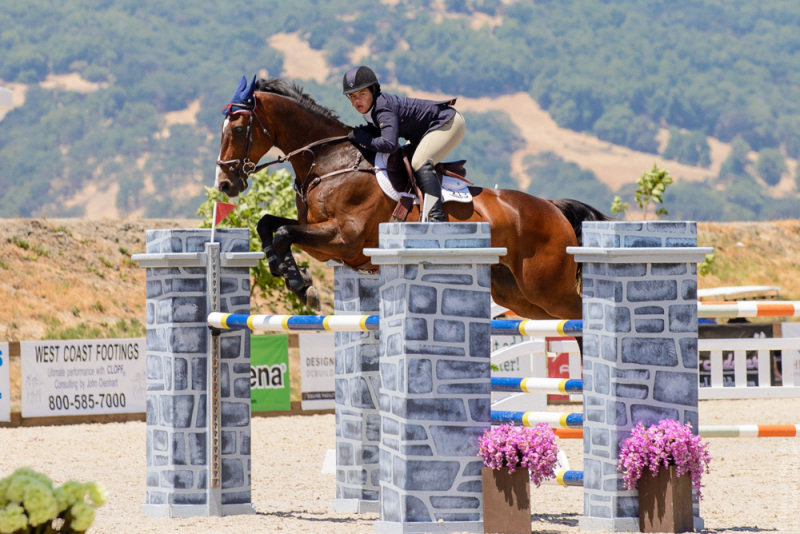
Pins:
x: 340, y: 204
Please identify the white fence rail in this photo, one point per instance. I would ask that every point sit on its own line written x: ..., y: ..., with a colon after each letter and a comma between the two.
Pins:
x: 731, y: 368
x: 744, y: 368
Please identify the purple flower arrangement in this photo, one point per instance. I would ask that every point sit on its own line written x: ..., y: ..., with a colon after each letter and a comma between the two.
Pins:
x: 667, y: 443
x: 512, y: 447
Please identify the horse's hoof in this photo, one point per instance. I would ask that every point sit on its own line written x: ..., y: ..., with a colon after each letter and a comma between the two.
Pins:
x: 312, y: 298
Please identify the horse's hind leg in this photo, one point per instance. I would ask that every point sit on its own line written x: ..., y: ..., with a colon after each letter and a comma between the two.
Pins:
x: 506, y: 292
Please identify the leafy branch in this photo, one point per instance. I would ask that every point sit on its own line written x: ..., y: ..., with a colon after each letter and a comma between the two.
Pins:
x: 267, y: 194
x: 651, y: 186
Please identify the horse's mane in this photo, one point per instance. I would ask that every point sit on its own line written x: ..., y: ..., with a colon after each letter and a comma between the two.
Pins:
x: 295, y: 92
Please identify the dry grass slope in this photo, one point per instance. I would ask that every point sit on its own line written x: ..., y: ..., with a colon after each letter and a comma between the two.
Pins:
x: 58, y: 274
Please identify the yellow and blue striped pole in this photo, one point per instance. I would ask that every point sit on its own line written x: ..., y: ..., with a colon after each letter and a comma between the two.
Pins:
x: 537, y: 384
x: 555, y: 419
x: 356, y: 323
x: 569, y: 478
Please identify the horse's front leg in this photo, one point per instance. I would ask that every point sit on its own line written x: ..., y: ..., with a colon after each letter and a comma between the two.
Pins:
x: 317, y: 237
x: 266, y: 228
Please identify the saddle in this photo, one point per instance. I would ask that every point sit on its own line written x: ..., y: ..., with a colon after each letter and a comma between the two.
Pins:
x: 398, y: 169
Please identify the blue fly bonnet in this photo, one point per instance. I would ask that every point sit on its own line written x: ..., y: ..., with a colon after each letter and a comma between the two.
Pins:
x: 242, y: 98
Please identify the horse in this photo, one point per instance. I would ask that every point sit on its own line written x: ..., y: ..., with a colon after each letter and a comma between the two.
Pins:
x: 340, y: 204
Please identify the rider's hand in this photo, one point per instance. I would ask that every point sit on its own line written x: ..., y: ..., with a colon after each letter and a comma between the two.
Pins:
x: 359, y: 136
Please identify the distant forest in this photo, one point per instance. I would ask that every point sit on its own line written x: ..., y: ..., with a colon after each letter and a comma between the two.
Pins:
x: 617, y: 70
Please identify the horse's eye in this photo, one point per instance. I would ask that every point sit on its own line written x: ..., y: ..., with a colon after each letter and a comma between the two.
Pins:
x: 238, y: 130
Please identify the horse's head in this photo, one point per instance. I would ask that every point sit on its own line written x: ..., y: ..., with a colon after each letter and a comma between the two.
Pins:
x: 244, y: 140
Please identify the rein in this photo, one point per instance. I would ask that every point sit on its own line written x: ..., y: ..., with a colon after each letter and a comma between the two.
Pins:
x: 243, y: 167
x: 306, y: 148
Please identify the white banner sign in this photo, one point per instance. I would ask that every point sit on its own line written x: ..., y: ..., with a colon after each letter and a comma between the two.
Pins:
x: 81, y: 377
x: 316, y: 371
x: 5, y: 384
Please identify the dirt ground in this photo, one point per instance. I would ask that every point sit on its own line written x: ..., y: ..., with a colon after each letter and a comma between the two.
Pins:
x: 754, y: 484
x: 60, y: 273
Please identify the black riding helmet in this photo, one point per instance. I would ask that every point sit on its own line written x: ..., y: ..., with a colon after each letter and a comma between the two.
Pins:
x: 359, y: 78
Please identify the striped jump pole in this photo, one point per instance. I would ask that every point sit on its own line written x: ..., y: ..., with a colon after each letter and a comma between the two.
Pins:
x: 523, y: 327
x: 563, y: 420
x: 747, y: 308
x: 705, y: 431
x: 357, y: 323
x: 537, y: 385
x: 531, y: 328
x: 749, y: 431
x: 283, y: 323
x: 569, y: 478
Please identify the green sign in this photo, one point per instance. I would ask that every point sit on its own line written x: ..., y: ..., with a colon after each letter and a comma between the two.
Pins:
x: 269, y: 373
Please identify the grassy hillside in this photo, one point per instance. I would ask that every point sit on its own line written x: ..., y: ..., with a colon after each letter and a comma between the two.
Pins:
x: 117, y: 105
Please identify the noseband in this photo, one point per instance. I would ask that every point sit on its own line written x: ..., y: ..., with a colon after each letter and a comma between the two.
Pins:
x: 242, y: 167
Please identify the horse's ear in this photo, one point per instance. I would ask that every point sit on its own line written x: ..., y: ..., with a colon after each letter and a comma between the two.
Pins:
x: 250, y: 90
x: 243, y: 96
x: 241, y: 88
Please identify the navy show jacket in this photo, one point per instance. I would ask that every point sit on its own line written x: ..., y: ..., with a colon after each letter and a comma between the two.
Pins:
x: 397, y: 116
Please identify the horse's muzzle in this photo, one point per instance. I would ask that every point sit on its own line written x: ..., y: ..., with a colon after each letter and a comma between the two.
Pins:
x: 230, y: 179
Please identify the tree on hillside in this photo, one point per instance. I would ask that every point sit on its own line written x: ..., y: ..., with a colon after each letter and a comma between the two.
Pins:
x: 620, y: 126
x: 770, y: 165
x: 553, y: 177
x: 695, y: 201
x: 690, y: 148
x: 488, y: 145
x: 736, y: 162
x: 789, y: 133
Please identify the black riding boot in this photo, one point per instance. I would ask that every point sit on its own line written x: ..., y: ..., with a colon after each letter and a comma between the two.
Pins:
x: 429, y: 184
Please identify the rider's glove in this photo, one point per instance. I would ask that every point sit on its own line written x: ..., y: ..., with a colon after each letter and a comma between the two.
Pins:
x: 359, y: 136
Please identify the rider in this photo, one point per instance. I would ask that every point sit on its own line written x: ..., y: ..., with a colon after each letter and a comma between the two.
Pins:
x: 435, y: 128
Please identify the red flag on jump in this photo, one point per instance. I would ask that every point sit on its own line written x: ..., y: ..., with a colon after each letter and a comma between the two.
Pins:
x: 221, y: 210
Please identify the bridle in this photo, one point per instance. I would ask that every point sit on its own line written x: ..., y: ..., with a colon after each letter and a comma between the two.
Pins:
x: 242, y: 167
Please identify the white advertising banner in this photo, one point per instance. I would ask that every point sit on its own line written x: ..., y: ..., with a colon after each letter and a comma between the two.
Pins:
x: 83, y: 377
x: 5, y: 384
x: 316, y: 371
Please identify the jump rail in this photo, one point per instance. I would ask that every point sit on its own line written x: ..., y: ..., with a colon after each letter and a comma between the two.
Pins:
x: 360, y: 323
x: 537, y: 385
x: 525, y: 327
x: 568, y: 426
x: 563, y: 420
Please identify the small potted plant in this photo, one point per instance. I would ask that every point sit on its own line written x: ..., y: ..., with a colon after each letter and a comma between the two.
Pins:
x: 674, y: 461
x: 514, y: 456
x: 30, y: 503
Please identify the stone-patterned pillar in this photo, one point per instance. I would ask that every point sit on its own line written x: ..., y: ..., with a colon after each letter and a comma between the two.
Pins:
x: 435, y: 373
x: 639, y: 349
x: 358, y: 423
x: 178, y: 343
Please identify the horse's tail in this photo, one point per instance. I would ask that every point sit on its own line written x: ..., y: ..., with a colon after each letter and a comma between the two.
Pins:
x: 576, y: 212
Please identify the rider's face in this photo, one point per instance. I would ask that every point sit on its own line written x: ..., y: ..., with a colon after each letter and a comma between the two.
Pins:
x: 361, y: 100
